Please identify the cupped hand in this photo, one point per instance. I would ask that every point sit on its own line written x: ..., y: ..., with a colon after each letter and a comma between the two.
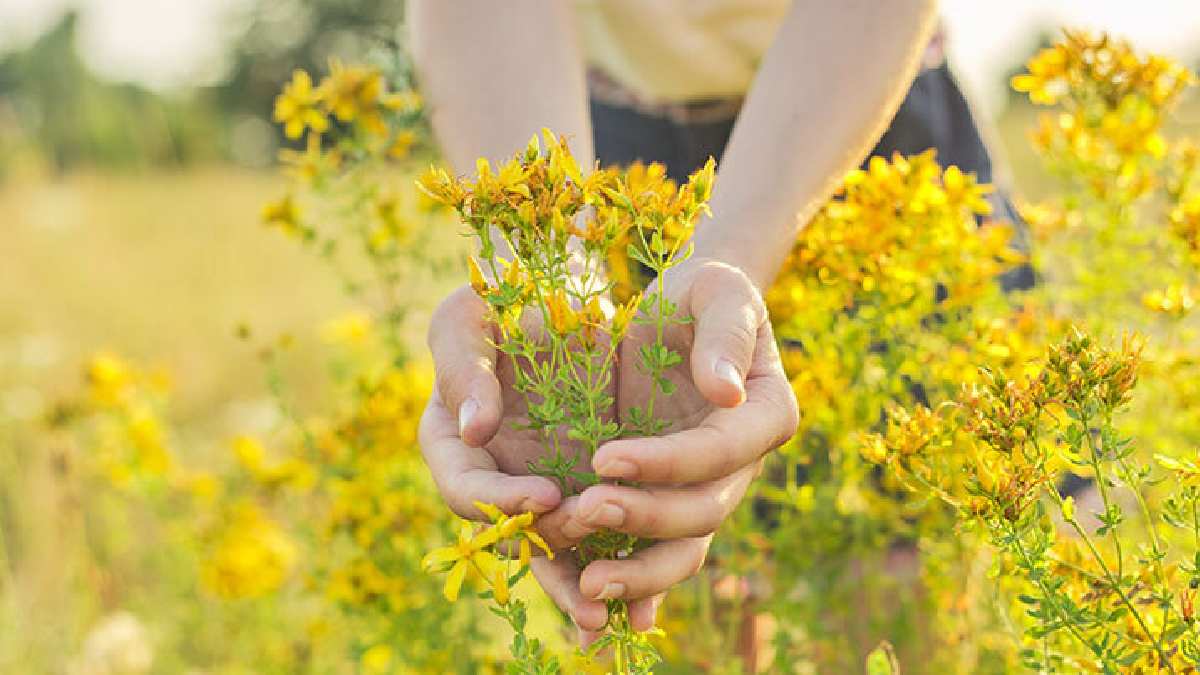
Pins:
x: 468, y: 432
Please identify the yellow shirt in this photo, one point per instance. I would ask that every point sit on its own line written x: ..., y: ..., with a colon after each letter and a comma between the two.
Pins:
x: 679, y: 50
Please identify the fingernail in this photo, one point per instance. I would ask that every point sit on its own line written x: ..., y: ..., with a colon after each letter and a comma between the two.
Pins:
x: 607, y: 515
x: 611, y: 591
x: 466, y: 412
x: 618, y: 468
x: 728, y: 372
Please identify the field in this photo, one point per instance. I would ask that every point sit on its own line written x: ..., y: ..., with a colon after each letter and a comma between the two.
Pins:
x: 217, y: 334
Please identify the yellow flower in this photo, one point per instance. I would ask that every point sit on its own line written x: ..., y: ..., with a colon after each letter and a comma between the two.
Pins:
x: 624, y: 316
x: 296, y: 108
x: 478, y: 283
x: 874, y: 448
x: 499, y: 584
x: 311, y: 163
x: 253, y: 556
x: 467, y: 554
x: 407, y: 101
x: 147, y: 438
x: 353, y: 328
x: 282, y: 214
x: 441, y: 188
x: 402, y: 144
x: 563, y: 319
x: 353, y: 94
x: 1176, y: 300
x: 377, y: 659
x: 109, y: 377
x: 1068, y: 508
x: 508, y: 527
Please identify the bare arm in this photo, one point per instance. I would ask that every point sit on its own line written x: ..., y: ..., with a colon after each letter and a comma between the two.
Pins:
x: 495, y: 73
x: 826, y: 91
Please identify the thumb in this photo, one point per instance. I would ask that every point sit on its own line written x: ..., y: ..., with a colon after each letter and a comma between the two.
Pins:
x: 465, y: 363
x: 729, y: 314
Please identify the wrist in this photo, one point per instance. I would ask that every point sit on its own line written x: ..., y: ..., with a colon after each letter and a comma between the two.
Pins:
x: 739, y: 250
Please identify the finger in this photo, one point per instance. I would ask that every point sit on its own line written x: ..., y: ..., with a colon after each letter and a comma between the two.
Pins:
x: 559, y: 578
x: 645, y: 573
x: 659, y: 512
x: 562, y: 528
x: 642, y: 613
x: 730, y: 315
x: 465, y: 475
x: 465, y: 363
x: 724, y: 441
x: 587, y: 637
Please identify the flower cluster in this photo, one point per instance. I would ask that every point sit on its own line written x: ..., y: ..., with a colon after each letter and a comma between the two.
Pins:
x: 252, y: 555
x: 887, y: 237
x: 998, y: 455
x: 892, y: 296
x: 351, y: 95
x: 124, y: 414
x: 1108, y: 134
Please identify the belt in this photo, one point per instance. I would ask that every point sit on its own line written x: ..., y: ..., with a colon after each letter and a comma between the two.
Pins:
x: 604, y: 89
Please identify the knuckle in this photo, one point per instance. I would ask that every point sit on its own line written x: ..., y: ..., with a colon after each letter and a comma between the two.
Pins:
x: 448, y: 379
x: 725, y: 461
x: 740, y: 337
x: 650, y: 522
x: 460, y: 505
x: 712, y: 514
x: 665, y: 462
x: 718, y: 449
x: 785, y: 413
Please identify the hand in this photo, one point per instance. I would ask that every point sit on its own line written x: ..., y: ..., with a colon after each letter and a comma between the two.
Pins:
x: 732, y: 406
x: 467, y: 434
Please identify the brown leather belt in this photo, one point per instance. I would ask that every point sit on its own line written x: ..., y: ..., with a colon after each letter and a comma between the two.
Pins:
x: 604, y: 89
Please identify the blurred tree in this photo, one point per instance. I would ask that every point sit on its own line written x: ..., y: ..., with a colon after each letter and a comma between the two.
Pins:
x: 73, y: 118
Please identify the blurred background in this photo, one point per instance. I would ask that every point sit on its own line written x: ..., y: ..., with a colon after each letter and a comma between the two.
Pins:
x: 137, y: 149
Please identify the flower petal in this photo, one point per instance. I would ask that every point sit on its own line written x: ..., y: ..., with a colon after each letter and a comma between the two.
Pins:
x: 454, y: 580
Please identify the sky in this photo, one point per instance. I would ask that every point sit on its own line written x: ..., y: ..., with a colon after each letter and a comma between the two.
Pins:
x: 168, y: 43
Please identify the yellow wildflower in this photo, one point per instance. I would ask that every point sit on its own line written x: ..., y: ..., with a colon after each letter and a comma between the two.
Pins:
x: 297, y: 107
x: 563, y: 319
x: 282, y: 214
x: 402, y: 144
x: 352, y: 328
x: 377, y: 659
x: 508, y: 527
x: 467, y: 554
x: 109, y: 378
x: 1175, y: 300
x: 353, y: 94
x: 252, y: 557
x: 624, y: 316
x: 478, y: 281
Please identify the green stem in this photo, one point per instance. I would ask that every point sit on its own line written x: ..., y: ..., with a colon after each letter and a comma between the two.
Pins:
x: 1046, y: 592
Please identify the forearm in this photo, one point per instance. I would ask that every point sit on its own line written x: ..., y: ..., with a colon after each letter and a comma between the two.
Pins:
x: 824, y: 94
x: 494, y: 73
